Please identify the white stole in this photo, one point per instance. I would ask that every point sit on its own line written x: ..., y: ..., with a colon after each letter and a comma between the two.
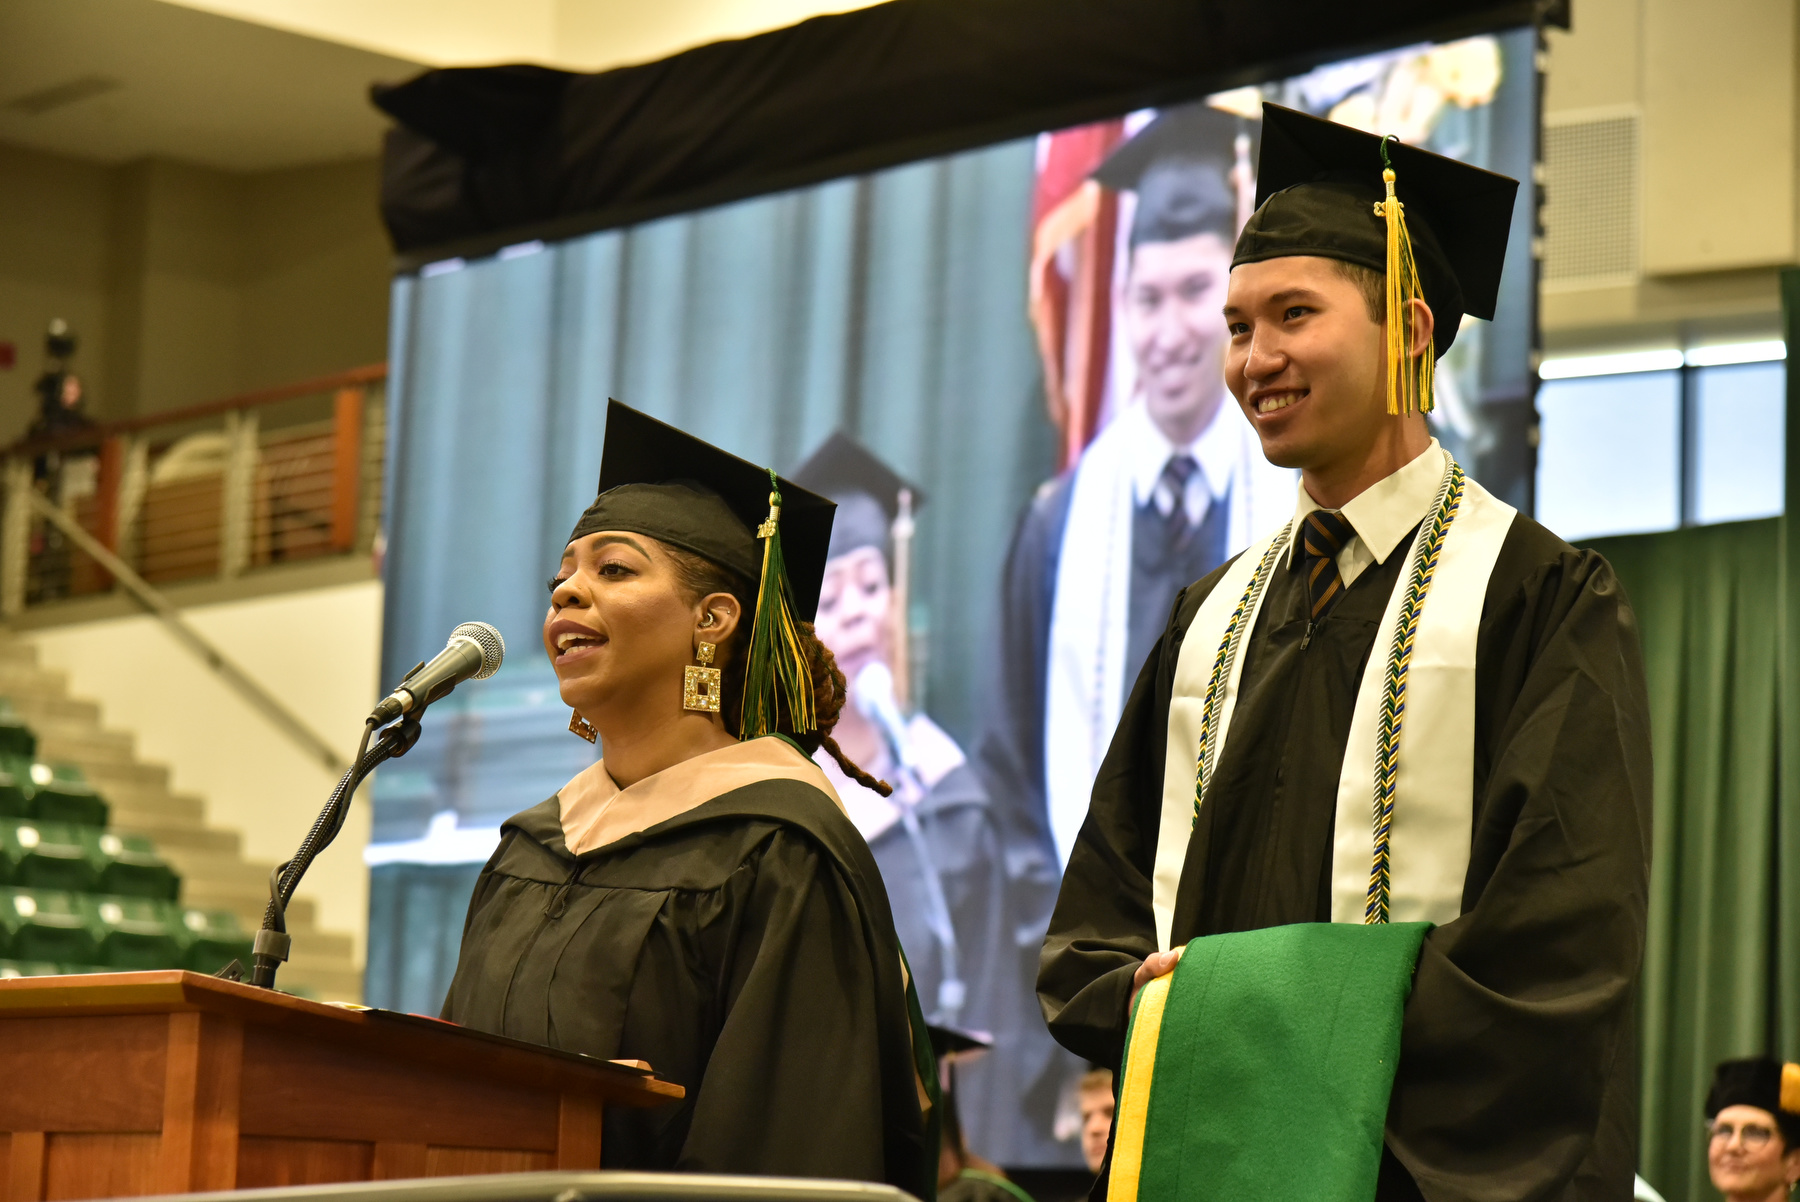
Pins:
x: 1434, y: 791
x: 1087, y: 675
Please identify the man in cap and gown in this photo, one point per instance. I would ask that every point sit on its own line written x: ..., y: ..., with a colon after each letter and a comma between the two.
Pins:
x: 957, y: 905
x: 1409, y: 704
x: 720, y: 918
x: 1172, y: 485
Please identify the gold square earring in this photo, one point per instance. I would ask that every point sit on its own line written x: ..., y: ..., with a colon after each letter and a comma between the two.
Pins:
x: 700, y: 683
x: 582, y: 726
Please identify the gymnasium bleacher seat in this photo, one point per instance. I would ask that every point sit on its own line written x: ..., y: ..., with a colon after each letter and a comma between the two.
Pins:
x: 76, y: 897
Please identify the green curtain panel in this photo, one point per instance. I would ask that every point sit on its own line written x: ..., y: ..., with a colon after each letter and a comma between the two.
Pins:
x: 1717, y: 610
x: 1708, y: 602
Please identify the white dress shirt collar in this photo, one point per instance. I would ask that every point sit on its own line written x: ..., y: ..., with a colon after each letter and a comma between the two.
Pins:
x: 1382, y: 514
x: 1217, y: 451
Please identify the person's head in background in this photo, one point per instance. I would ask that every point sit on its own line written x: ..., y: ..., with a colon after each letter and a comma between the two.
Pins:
x: 1096, y: 1100
x: 1182, y: 234
x: 856, y: 600
x: 1753, y: 1130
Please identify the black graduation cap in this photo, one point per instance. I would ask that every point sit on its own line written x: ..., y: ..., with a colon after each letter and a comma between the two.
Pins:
x: 867, y: 492
x: 1763, y: 1083
x: 664, y: 482
x: 1317, y: 183
x: 955, y: 1041
x: 1180, y: 167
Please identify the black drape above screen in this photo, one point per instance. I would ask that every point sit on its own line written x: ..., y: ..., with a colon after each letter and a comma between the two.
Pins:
x: 486, y: 155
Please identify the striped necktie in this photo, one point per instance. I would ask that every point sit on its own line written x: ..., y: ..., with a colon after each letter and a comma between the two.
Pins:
x: 1174, y: 480
x: 1322, y: 536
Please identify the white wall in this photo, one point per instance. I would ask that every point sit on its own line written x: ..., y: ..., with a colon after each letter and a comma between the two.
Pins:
x: 318, y: 649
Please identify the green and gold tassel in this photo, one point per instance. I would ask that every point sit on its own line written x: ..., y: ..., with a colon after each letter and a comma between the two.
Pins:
x: 776, y: 670
x: 1408, y: 376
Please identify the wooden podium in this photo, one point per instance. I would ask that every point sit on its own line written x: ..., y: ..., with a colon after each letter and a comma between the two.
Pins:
x: 168, y: 1082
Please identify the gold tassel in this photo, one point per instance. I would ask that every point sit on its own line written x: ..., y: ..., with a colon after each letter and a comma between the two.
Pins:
x: 776, y: 671
x: 1409, y: 377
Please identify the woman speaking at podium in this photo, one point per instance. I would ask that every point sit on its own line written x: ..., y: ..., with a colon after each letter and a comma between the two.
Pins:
x: 698, y: 898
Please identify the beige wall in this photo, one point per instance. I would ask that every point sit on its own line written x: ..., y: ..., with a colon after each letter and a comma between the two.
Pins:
x: 317, y: 649
x: 1714, y: 85
x: 53, y: 263
x: 187, y: 284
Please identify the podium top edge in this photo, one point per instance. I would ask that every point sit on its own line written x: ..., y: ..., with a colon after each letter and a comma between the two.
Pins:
x: 570, y: 1186
x: 100, y: 995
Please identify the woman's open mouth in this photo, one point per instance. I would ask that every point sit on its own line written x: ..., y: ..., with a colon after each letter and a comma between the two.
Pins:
x: 571, y: 646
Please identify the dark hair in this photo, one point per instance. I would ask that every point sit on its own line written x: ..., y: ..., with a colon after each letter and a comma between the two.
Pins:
x: 1371, y: 283
x: 699, y: 577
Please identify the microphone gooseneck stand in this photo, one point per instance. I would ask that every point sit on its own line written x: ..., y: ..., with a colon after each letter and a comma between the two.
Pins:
x: 272, y: 941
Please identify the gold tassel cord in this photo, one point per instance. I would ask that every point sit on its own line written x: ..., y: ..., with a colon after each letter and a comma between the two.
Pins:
x: 776, y: 670
x: 1409, y: 377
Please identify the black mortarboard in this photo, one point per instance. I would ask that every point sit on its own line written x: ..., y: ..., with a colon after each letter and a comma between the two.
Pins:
x: 955, y: 1041
x: 867, y: 492
x: 1317, y: 184
x: 1179, y: 165
x: 664, y: 482
x: 1763, y: 1083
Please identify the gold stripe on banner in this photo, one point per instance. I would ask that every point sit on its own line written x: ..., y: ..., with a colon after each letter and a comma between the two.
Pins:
x: 1134, y: 1094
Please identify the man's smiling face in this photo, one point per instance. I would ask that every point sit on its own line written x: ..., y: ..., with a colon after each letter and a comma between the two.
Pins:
x: 1306, y: 361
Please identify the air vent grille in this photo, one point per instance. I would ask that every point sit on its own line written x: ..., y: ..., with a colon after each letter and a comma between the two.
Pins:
x: 1590, y: 200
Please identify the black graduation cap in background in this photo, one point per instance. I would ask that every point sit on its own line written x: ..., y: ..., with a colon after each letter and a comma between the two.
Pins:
x: 1180, y: 167
x: 1316, y: 187
x: 866, y: 489
x: 1763, y: 1083
x: 955, y: 1041
x: 665, y: 483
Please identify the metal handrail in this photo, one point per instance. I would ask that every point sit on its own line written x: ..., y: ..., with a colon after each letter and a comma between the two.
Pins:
x: 92, y: 436
x: 147, y: 595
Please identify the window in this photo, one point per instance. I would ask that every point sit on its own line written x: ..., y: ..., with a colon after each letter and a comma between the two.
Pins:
x: 1609, y: 454
x: 1624, y: 449
x: 1737, y: 433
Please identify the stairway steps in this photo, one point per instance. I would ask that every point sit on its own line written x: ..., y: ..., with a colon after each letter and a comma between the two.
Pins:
x: 215, y: 875
x: 156, y: 807
x: 188, y: 838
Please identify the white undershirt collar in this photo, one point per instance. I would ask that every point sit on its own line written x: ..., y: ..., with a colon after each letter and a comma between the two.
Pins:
x: 1217, y: 451
x: 1383, y: 513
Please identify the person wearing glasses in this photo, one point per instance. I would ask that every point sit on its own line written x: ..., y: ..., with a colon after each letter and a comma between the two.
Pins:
x: 1753, y: 1129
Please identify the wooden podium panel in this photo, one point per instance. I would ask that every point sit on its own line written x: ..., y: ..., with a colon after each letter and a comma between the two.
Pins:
x: 171, y: 1082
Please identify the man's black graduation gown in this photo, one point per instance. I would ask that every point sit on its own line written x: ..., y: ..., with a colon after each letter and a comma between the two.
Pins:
x: 745, y: 949
x: 1516, y: 1072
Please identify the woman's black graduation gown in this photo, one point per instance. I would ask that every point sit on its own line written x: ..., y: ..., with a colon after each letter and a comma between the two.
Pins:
x: 745, y: 949
x: 1516, y: 1076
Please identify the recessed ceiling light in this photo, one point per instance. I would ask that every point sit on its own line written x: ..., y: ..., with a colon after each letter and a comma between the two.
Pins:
x: 1608, y: 365
x: 1719, y: 355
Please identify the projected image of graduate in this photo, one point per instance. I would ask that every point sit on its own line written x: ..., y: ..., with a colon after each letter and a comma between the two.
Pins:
x: 942, y: 852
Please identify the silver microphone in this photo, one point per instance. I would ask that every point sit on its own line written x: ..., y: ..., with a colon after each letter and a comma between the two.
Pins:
x: 474, y: 651
x: 874, y: 696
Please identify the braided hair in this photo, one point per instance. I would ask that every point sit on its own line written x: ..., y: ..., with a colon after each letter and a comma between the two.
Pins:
x: 698, y: 577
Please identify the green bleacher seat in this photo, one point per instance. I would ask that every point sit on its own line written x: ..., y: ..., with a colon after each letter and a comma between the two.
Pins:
x: 46, y: 924
x: 49, y: 855
x: 130, y: 866
x: 61, y: 794
x: 138, y: 932
x: 214, y: 940
x: 17, y: 740
x: 15, y: 798
x: 27, y: 968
